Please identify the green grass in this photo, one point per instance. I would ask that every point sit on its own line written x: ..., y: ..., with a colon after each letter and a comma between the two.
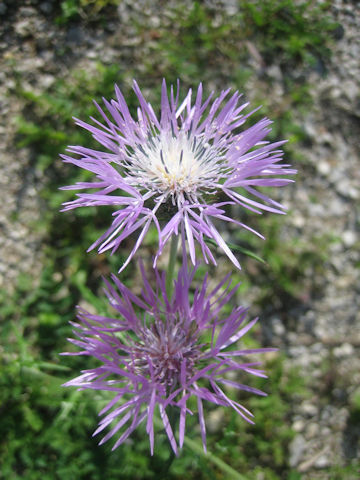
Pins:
x: 285, y: 33
x: 90, y: 10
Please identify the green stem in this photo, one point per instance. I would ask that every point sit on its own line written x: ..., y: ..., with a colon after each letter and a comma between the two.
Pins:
x: 197, y: 448
x: 210, y: 457
x: 171, y: 265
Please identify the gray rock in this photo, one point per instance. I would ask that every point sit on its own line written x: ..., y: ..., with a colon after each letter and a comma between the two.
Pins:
x: 296, y: 450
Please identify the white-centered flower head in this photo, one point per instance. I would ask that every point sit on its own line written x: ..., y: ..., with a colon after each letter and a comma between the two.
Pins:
x: 178, y: 170
x: 178, y: 166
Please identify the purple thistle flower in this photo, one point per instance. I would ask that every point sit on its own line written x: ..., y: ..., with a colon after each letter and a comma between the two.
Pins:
x: 178, y: 171
x: 159, y: 358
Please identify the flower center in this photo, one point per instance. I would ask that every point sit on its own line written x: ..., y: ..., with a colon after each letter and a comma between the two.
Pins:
x: 162, y: 351
x: 176, y: 165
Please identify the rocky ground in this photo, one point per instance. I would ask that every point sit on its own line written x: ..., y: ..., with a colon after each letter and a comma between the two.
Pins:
x: 324, y: 341
x: 328, y: 331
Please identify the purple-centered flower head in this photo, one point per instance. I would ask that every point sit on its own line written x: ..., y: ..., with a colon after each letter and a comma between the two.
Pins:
x: 164, y: 354
x: 178, y: 171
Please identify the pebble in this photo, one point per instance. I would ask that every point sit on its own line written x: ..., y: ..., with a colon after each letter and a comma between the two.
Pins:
x: 345, y: 350
x: 45, y: 81
x: 298, y: 426
x: 312, y: 430
x: 308, y: 409
x: 322, y: 462
x: 296, y: 449
x: 324, y: 167
x: 349, y: 237
x: 298, y: 220
x: 278, y: 326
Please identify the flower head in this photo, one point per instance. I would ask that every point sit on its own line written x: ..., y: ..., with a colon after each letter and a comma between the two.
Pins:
x: 178, y: 171
x: 160, y: 352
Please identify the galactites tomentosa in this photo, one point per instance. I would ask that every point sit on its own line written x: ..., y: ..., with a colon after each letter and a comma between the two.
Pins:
x: 192, y: 160
x: 159, y: 351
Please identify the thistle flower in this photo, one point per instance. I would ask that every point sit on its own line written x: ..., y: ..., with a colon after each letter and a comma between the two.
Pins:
x: 159, y: 358
x: 178, y: 171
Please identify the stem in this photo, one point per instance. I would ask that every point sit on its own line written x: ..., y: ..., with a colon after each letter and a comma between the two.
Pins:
x: 195, y: 447
x: 171, y: 265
